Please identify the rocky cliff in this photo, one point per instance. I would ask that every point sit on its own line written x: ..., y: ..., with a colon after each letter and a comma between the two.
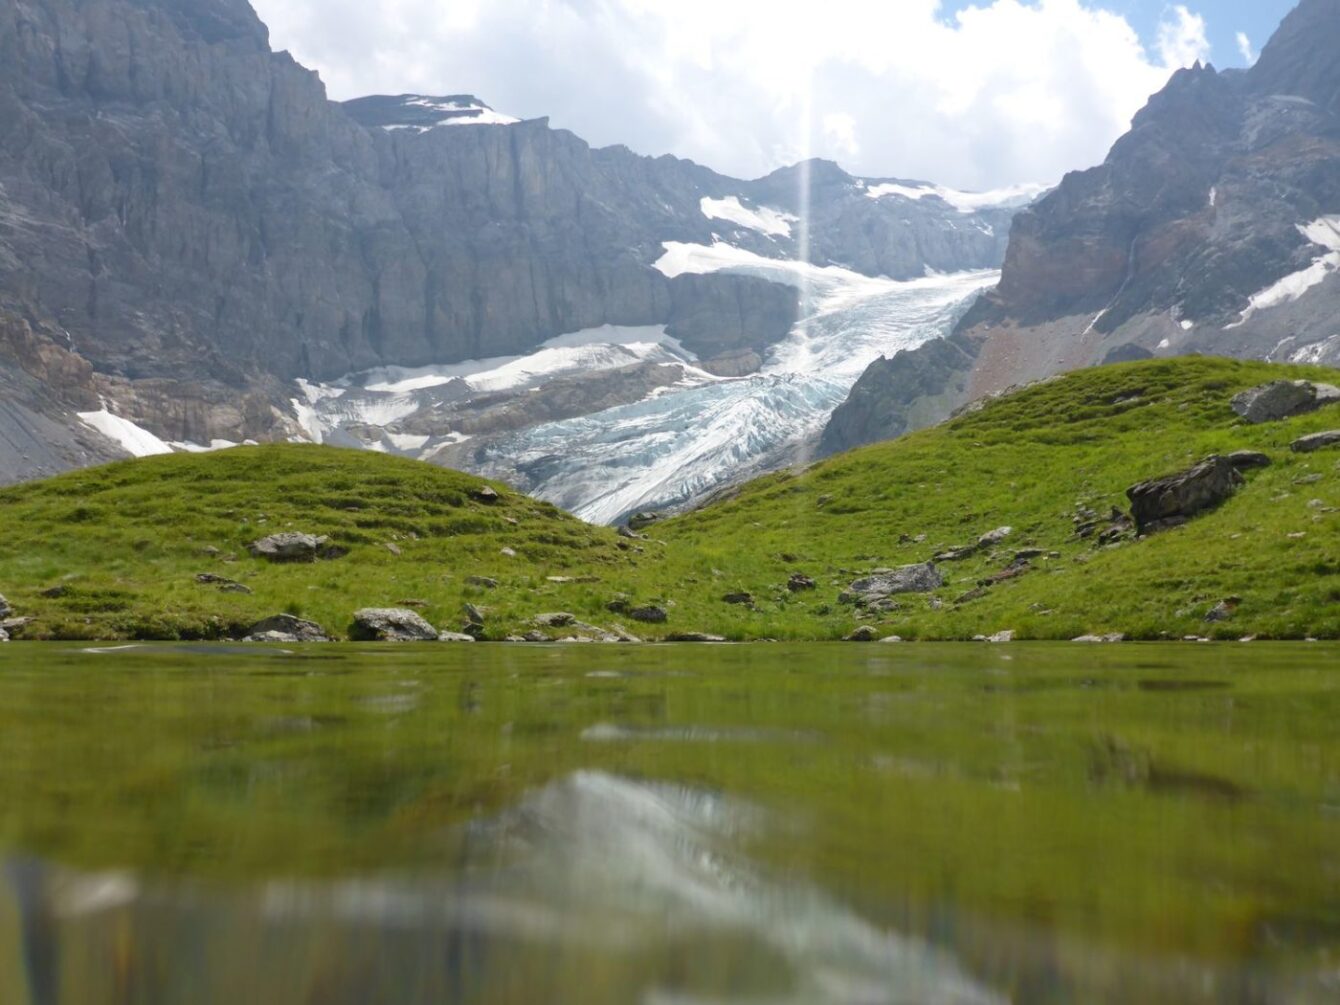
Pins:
x: 1212, y: 227
x: 188, y: 212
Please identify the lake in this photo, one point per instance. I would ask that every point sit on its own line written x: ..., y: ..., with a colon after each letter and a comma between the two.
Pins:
x: 670, y: 824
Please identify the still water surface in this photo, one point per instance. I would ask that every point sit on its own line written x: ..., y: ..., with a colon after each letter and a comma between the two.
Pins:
x: 666, y: 825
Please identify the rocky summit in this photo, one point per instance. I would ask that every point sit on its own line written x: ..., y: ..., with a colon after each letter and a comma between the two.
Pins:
x: 1213, y: 227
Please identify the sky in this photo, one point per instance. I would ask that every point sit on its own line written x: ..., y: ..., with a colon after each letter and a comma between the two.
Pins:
x: 977, y: 94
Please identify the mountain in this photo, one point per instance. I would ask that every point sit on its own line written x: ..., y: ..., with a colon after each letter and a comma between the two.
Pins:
x: 187, y: 217
x: 1213, y: 227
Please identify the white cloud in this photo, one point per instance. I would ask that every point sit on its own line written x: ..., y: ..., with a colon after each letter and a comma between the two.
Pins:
x: 1182, y: 38
x: 1245, y: 48
x: 999, y: 93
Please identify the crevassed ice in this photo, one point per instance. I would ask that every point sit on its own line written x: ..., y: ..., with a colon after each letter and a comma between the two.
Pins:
x: 1323, y: 232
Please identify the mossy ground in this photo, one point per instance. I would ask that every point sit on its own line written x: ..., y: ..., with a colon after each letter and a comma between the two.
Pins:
x: 127, y: 541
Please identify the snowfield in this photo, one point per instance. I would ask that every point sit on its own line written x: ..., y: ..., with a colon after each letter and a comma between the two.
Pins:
x: 1325, y: 233
x: 765, y: 220
x: 964, y: 202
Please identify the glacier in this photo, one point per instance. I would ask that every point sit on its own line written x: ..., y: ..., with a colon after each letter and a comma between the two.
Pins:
x: 682, y: 440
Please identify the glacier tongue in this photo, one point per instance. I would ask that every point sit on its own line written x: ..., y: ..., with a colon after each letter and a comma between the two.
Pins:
x: 675, y: 433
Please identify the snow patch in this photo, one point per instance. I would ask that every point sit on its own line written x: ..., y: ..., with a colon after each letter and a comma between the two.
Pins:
x: 1324, y: 232
x: 1316, y: 352
x: 133, y: 439
x: 1013, y: 197
x: 1187, y: 325
x: 765, y: 219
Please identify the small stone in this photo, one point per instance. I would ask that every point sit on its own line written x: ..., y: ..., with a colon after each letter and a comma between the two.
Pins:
x: 483, y: 582
x: 739, y: 599
x: 1223, y: 611
x: 957, y: 554
x: 800, y: 582
x: 641, y: 521
x: 560, y: 580
x: 557, y: 619
x: 1005, y: 636
x: 56, y: 592
x: 994, y: 537
x: 863, y: 634
x: 4, y: 635
x: 412, y: 603
x: 224, y: 585
x: 484, y: 494
x: 1317, y: 441
x: 1112, y: 637
x: 507, y: 553
x: 892, y: 638
x: 394, y: 549
x: 630, y: 534
x: 454, y: 637
x: 694, y: 637
x: 475, y: 614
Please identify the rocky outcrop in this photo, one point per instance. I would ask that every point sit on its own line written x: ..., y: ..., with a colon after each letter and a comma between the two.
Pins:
x: 1174, y: 499
x: 890, y: 582
x: 1212, y: 227
x: 1283, y: 399
x: 289, y: 546
x: 1316, y: 441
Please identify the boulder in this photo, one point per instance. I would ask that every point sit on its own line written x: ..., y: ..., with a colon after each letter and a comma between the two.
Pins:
x: 290, y: 546
x: 694, y: 637
x: 286, y: 628
x: 484, y: 494
x: 1282, y: 399
x: 739, y: 599
x: 454, y: 637
x: 908, y: 579
x: 1173, y: 499
x: 863, y: 634
x: 994, y: 537
x: 1317, y: 441
x: 1247, y: 460
x: 641, y: 521
x: 390, y: 624
x: 800, y: 582
x: 651, y: 614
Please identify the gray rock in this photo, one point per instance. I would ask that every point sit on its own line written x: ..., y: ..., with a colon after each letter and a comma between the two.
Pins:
x: 290, y: 546
x: 994, y: 537
x: 1283, y: 399
x: 5, y: 609
x: 865, y: 633
x: 556, y: 619
x: 455, y: 637
x: 892, y: 639
x: 274, y: 638
x: 483, y: 582
x: 1173, y: 499
x: 485, y: 494
x: 650, y: 614
x: 4, y: 635
x: 641, y: 521
x: 391, y: 624
x: 694, y: 637
x: 1316, y: 441
x: 799, y: 582
x: 630, y: 534
x: 1093, y: 639
x: 907, y: 579
x: 1247, y: 460
x: 1005, y: 636
x: 739, y: 599
x: 292, y: 628
x: 957, y: 554
x: 1223, y: 611
x: 477, y: 615
x: 225, y: 585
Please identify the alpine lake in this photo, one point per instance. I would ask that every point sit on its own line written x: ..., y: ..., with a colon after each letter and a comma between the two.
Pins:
x: 669, y: 825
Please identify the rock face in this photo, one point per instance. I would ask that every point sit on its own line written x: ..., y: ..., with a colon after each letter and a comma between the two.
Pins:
x: 381, y: 624
x: 1212, y: 227
x: 1282, y: 399
x: 197, y: 226
x: 1173, y: 499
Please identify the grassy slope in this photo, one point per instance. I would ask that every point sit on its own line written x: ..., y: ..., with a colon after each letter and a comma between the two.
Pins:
x: 131, y: 535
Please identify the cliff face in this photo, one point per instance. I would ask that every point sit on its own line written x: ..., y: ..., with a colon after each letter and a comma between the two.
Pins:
x: 1212, y: 227
x: 189, y: 210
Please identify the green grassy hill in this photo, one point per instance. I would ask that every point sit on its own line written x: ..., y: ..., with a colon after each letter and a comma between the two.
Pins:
x: 119, y: 548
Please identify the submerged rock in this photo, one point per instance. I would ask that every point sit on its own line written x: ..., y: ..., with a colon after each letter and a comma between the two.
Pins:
x: 390, y: 624
x: 1173, y: 499
x: 1283, y: 399
x: 286, y: 628
x: 290, y: 546
x: 1317, y: 441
